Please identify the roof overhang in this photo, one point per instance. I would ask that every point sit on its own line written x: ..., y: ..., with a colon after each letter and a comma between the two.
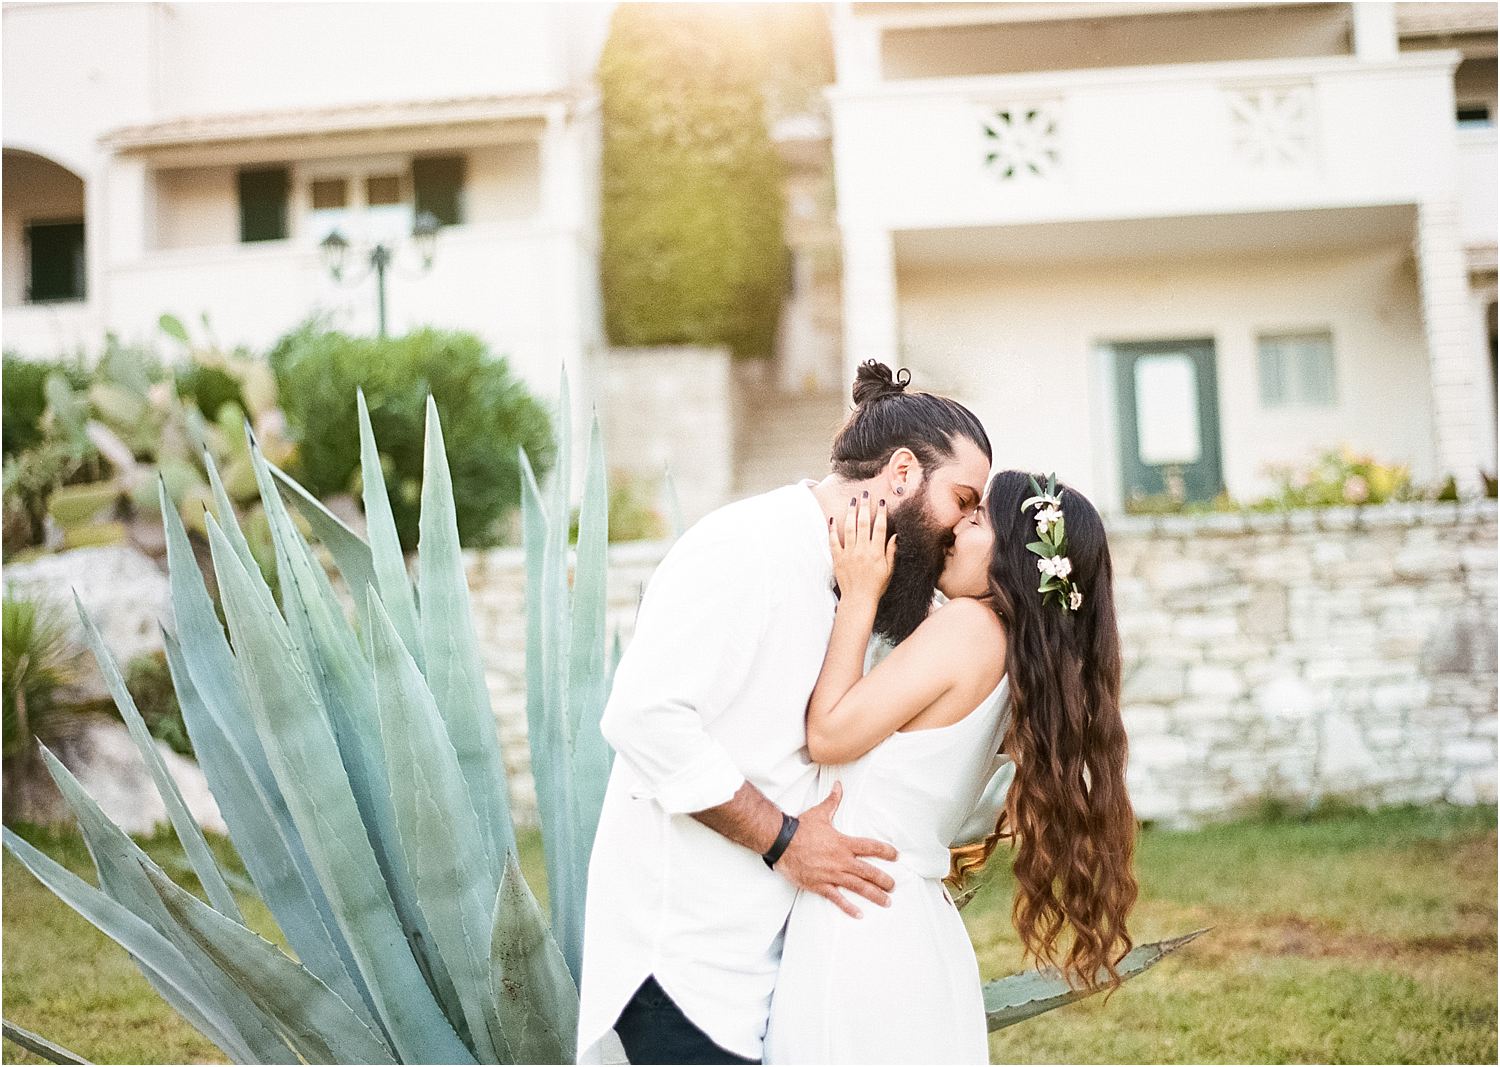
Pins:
x: 305, y: 132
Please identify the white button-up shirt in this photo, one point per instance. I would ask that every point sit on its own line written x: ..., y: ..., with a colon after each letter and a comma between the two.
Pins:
x: 711, y: 691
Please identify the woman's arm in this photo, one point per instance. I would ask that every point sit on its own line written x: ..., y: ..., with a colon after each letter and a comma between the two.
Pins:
x: 849, y: 713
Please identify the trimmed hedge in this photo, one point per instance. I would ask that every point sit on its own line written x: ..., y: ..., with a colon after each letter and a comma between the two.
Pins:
x: 692, y: 201
x: 486, y: 413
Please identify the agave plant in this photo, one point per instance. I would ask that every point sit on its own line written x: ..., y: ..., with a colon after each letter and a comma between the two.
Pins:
x: 354, y: 757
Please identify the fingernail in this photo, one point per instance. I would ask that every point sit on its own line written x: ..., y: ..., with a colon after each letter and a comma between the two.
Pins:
x: 865, y: 494
x: 853, y: 500
x: 882, y: 501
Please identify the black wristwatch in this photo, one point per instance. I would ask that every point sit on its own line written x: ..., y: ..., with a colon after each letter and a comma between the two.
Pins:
x: 783, y: 839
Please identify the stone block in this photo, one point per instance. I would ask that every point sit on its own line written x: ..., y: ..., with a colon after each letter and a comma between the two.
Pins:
x: 1144, y: 720
x: 1266, y: 610
x: 1215, y: 681
x: 1153, y: 681
x: 1205, y: 626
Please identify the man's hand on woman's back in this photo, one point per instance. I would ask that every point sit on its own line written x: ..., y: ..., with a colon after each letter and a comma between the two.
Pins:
x: 824, y: 861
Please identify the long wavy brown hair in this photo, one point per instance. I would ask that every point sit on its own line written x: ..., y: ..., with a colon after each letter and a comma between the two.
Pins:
x: 1067, y: 815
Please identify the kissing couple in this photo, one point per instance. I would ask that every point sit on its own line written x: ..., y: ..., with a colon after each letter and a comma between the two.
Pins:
x: 789, y: 808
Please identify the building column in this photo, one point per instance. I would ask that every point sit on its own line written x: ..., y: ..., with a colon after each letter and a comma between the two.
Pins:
x: 1374, y: 31
x: 870, y: 319
x: 131, y: 197
x: 569, y: 257
x: 1481, y: 299
x: 856, y: 48
x: 1447, y: 323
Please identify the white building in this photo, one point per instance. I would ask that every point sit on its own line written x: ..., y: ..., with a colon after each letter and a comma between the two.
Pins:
x: 189, y: 158
x: 1159, y: 246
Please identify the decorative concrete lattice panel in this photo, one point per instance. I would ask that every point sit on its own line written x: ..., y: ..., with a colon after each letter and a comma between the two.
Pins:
x: 1021, y: 141
x: 1272, y: 126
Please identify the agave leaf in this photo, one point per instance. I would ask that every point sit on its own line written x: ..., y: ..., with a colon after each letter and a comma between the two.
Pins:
x: 119, y: 861
x: 213, y: 705
x: 301, y: 910
x: 39, y: 1045
x: 350, y: 553
x: 333, y: 659
x: 189, y: 833
x: 309, y: 768
x: 437, y: 827
x: 534, y: 990
x: 545, y: 721
x: 590, y: 756
x: 385, y: 546
x: 158, y: 959
x: 312, y: 1018
x: 451, y: 648
x: 224, y: 508
x: 1008, y: 1001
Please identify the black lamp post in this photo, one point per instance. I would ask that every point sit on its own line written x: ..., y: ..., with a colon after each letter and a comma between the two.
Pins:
x: 335, y: 248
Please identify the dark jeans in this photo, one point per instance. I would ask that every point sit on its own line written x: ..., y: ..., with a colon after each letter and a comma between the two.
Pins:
x: 653, y: 1030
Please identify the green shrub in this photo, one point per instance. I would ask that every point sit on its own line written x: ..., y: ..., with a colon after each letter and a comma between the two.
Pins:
x: 24, y: 398
x: 635, y: 512
x: 37, y: 658
x: 210, y: 388
x: 150, y: 685
x: 487, y: 413
x: 692, y: 199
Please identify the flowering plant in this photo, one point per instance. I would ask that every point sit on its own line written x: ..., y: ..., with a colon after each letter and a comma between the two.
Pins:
x: 1052, y: 546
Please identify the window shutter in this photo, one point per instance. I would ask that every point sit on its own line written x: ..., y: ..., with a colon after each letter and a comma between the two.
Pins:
x: 263, y: 204
x: 439, y: 185
x: 55, y: 251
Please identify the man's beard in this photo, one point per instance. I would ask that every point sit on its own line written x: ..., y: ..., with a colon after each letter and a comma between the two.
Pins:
x: 920, y: 558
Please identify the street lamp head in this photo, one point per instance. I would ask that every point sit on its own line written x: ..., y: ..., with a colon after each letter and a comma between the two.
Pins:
x: 335, y: 249
x: 424, y: 236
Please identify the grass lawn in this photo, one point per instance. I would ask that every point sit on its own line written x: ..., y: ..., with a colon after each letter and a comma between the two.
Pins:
x: 1345, y: 937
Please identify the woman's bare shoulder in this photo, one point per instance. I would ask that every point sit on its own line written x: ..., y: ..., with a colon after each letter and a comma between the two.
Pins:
x: 966, y: 633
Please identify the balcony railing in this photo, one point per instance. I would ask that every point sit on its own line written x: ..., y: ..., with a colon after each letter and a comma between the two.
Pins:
x: 1191, y: 139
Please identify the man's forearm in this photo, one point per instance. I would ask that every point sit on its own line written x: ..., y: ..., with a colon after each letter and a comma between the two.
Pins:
x: 748, y: 818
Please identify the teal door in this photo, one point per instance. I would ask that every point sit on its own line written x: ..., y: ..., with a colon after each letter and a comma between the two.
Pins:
x: 1167, y: 394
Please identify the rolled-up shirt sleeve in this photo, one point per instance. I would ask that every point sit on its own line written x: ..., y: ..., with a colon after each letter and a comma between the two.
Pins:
x: 696, y: 639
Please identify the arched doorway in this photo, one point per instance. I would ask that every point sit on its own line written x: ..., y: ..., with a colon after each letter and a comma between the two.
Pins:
x: 43, y: 235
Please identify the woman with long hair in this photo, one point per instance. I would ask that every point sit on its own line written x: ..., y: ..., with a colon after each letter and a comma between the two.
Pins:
x: 1022, y: 662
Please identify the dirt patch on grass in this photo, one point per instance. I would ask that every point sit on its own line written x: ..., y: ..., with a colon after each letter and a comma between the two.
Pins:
x: 1293, y: 935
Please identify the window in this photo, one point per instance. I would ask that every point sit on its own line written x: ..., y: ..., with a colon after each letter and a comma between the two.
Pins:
x: 55, y: 261
x: 1474, y: 116
x: 263, y: 200
x: 1296, y: 369
x: 439, y: 185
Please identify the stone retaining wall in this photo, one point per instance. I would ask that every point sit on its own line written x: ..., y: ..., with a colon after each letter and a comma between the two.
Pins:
x: 1347, y: 652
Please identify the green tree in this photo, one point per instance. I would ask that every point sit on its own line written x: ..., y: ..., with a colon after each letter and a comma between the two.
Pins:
x: 692, y: 183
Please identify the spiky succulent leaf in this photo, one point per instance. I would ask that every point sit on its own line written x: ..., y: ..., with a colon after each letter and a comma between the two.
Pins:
x: 455, y: 673
x: 256, y: 813
x: 437, y: 827
x: 1022, y: 996
x: 535, y: 994
x: 385, y: 545
x: 300, y: 909
x: 311, y: 1018
x: 305, y: 758
x: 157, y: 957
x: 351, y: 554
x: 189, y: 833
x: 39, y: 1045
x: 120, y: 862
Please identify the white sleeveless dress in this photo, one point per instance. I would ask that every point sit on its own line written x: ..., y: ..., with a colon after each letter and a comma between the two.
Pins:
x: 900, y: 984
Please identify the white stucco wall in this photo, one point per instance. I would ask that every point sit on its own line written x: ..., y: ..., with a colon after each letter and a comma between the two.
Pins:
x: 1022, y: 346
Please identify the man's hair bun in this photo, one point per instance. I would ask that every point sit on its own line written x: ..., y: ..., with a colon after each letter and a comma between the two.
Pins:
x: 874, y: 380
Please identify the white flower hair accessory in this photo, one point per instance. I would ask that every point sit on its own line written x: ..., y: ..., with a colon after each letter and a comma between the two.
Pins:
x: 1052, y: 548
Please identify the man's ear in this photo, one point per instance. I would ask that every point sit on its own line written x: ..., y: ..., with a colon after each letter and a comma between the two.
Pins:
x: 904, y: 471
